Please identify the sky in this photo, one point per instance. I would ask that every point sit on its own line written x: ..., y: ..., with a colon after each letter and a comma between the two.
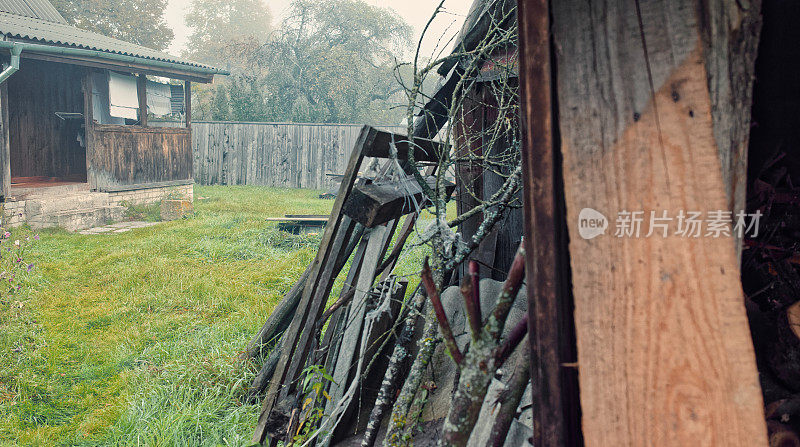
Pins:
x: 415, y: 12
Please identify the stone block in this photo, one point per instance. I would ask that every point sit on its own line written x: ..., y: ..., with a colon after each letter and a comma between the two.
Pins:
x: 175, y: 209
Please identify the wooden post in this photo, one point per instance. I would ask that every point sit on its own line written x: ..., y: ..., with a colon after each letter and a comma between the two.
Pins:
x: 187, y: 99
x: 5, y: 150
x: 555, y: 393
x: 88, y: 124
x: 141, y: 89
x: 665, y: 355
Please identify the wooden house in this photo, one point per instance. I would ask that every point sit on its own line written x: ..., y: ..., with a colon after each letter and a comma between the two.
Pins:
x: 75, y: 105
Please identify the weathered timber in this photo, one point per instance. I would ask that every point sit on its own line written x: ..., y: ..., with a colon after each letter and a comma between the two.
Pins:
x: 665, y: 355
x: 375, y: 323
x: 312, y: 303
x: 289, y: 155
x: 187, y: 103
x: 556, y: 412
x: 379, y: 202
x: 41, y: 143
x: 327, y: 274
x: 128, y: 155
x: 141, y: 93
x: 423, y: 149
x: 376, y: 247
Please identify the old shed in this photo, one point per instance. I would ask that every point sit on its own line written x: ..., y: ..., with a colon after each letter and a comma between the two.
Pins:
x: 75, y: 107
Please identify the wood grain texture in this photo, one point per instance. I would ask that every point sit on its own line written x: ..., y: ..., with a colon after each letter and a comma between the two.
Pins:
x: 314, y: 296
x: 129, y: 155
x: 285, y: 155
x: 42, y: 144
x: 664, y: 350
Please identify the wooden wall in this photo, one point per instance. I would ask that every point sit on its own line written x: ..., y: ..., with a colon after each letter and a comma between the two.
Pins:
x: 479, y: 111
x: 43, y: 144
x: 271, y: 154
x: 131, y: 155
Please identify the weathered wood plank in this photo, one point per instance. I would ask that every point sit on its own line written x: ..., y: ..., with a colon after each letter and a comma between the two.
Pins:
x: 129, y: 155
x: 312, y: 303
x: 271, y: 154
x: 41, y: 143
x: 379, y: 202
x: 664, y: 349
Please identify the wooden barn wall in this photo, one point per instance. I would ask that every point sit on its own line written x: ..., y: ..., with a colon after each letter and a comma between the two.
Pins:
x: 272, y: 154
x: 43, y: 144
x: 133, y: 155
x: 496, y: 253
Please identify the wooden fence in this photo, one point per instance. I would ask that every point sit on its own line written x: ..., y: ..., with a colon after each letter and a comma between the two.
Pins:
x: 272, y: 154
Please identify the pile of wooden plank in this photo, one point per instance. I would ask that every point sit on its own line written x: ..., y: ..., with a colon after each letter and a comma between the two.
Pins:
x: 362, y: 226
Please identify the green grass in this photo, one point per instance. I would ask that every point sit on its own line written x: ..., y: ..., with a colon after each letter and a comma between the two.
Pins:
x: 132, y: 338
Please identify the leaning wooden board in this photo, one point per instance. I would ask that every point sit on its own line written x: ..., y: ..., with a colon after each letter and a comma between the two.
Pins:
x: 664, y: 350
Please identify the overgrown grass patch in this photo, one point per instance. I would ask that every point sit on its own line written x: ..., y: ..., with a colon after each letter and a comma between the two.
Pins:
x: 132, y: 338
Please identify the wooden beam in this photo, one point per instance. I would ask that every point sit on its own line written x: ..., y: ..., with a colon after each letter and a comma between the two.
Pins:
x: 378, y: 203
x: 141, y: 89
x: 312, y: 303
x: 665, y: 355
x: 187, y: 98
x: 88, y: 124
x: 424, y: 150
x: 5, y: 141
x: 556, y: 411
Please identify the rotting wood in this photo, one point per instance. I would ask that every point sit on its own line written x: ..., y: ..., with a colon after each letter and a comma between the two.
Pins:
x: 141, y: 91
x: 379, y: 202
x: 326, y: 276
x: 363, y: 287
x: 311, y: 304
x: 329, y: 350
x: 664, y: 350
x: 376, y: 326
x: 555, y: 401
x: 424, y: 149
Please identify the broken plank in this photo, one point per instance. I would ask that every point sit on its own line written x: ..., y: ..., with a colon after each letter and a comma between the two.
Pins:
x: 379, y: 202
x: 311, y: 310
x: 281, y: 316
x: 381, y: 142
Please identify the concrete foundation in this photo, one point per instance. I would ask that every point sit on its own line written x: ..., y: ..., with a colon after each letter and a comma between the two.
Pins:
x: 75, y: 207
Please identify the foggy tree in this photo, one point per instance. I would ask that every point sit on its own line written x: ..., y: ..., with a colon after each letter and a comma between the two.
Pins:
x: 226, y: 32
x: 334, y: 61
x: 141, y: 22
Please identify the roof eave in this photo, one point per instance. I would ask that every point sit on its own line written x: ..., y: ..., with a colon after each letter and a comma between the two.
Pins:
x: 110, y: 60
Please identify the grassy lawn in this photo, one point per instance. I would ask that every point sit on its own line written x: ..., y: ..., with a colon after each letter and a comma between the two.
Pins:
x: 132, y: 338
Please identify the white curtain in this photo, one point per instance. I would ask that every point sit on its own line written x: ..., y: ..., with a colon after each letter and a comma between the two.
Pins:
x: 123, y: 98
x: 159, y: 97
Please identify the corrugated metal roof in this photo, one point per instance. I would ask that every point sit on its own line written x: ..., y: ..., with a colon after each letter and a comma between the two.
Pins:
x: 37, y: 9
x: 45, y: 32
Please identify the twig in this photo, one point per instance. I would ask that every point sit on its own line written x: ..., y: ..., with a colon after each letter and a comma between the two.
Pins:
x: 441, y: 316
x: 510, y: 401
x: 514, y: 338
x: 516, y: 275
x: 474, y: 300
